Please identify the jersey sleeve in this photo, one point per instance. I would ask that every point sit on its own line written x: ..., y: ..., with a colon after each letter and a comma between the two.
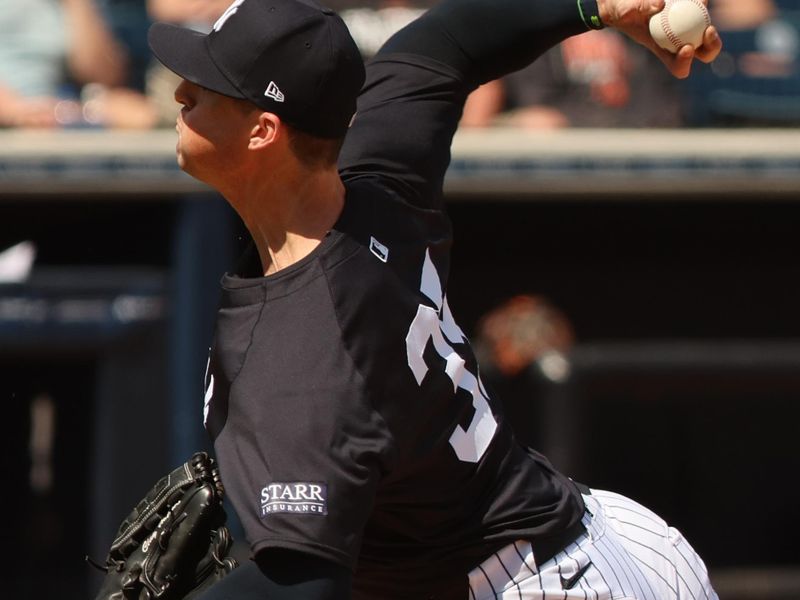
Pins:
x: 417, y: 84
x: 299, y: 444
x: 407, y: 115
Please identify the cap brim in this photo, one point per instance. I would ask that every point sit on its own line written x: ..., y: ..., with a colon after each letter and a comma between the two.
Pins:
x: 185, y: 52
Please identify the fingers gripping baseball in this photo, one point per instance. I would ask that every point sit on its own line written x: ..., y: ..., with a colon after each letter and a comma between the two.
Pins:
x: 633, y: 17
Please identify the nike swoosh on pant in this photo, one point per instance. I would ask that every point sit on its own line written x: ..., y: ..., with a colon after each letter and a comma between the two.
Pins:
x: 569, y: 583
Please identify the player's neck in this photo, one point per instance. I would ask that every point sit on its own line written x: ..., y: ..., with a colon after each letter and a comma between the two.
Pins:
x: 290, y: 215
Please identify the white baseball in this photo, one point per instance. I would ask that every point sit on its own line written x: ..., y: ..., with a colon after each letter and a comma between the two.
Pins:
x: 681, y: 22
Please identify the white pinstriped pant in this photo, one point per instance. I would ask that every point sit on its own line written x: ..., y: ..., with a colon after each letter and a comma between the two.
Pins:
x: 627, y: 553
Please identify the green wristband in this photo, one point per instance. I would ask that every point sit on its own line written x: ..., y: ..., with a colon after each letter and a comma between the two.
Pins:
x: 590, y: 14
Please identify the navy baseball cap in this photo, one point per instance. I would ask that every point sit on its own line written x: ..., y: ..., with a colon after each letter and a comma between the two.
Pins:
x: 293, y: 58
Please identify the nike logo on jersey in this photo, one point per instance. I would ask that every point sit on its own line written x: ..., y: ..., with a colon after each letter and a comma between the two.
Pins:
x: 567, y: 583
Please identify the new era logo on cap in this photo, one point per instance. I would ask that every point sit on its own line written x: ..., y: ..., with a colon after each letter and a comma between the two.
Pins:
x: 274, y: 92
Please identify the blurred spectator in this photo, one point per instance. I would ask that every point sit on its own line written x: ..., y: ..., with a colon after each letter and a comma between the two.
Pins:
x: 522, y: 348
x: 755, y: 81
x: 198, y: 13
x: 521, y: 331
x: 61, y: 66
x: 597, y: 79
x: 741, y: 14
x: 372, y: 22
x: 774, y: 41
x: 129, y: 21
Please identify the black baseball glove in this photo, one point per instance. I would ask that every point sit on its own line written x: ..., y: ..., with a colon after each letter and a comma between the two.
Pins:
x: 174, y: 544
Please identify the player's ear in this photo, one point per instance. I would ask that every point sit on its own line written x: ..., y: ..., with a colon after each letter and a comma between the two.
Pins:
x: 267, y: 130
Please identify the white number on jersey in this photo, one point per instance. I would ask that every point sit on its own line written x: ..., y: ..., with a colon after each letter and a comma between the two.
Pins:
x: 438, y: 325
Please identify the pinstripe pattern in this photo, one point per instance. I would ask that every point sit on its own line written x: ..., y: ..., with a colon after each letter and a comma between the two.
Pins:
x: 627, y: 553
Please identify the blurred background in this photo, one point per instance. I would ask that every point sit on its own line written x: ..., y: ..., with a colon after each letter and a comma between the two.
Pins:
x: 626, y: 263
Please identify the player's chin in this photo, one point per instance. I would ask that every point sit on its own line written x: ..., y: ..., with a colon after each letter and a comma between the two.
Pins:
x: 184, y: 163
x: 193, y: 168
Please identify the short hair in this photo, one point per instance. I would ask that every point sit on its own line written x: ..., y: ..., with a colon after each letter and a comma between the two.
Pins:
x: 313, y: 151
